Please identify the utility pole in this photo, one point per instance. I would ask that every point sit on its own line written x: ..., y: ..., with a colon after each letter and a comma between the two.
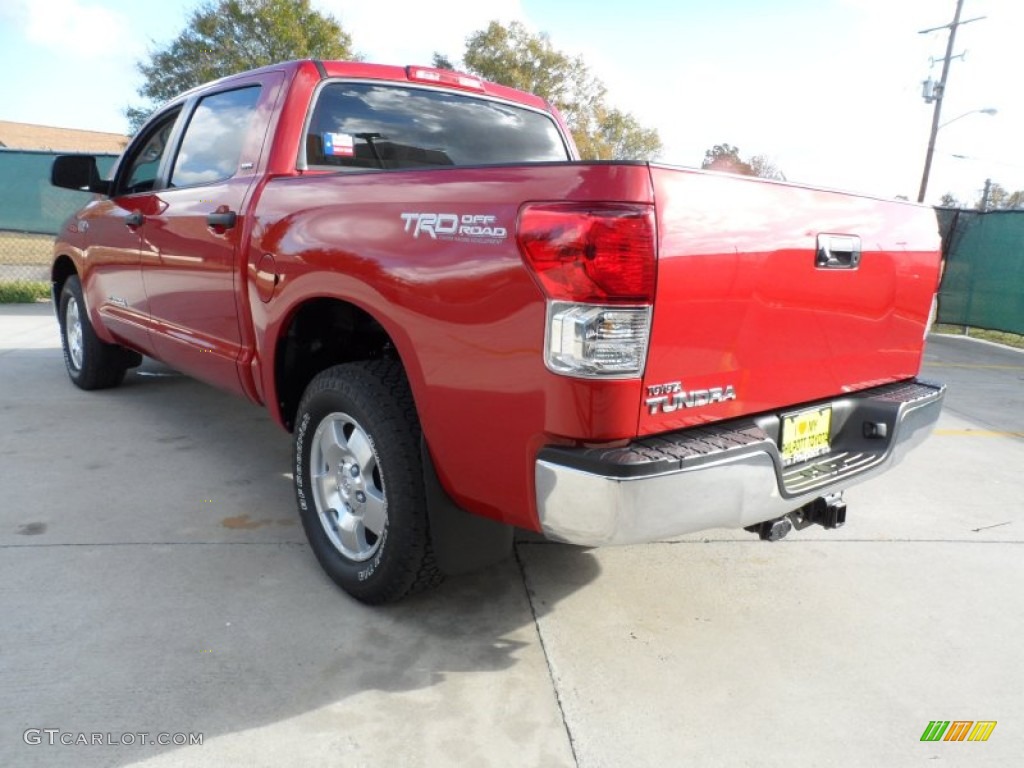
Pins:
x: 940, y: 92
x: 985, y: 195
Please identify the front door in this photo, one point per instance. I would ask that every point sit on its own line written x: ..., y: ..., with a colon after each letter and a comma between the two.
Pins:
x: 117, y: 229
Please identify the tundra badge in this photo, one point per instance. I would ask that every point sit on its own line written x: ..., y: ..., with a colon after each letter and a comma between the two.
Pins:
x: 666, y: 398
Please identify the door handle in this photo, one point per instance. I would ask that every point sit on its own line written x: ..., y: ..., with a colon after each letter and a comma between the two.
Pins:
x: 134, y: 219
x: 225, y: 220
x: 837, y: 252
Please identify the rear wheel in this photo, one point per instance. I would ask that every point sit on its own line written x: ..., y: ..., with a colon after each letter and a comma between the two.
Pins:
x: 359, y: 481
x: 91, y: 362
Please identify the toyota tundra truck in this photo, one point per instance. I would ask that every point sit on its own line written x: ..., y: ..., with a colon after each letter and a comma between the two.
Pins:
x: 468, y: 330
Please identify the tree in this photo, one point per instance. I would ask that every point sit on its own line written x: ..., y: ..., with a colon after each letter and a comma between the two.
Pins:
x: 998, y: 198
x: 620, y: 137
x: 725, y: 157
x: 765, y: 168
x: 1015, y: 200
x: 231, y: 36
x: 949, y: 200
x: 514, y: 57
x: 443, y: 62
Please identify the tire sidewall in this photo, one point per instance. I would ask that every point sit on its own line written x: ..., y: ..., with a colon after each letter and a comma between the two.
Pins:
x: 103, y: 365
x: 369, y: 579
x: 73, y: 290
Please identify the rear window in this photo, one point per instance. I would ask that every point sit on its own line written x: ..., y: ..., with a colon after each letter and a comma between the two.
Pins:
x: 362, y: 125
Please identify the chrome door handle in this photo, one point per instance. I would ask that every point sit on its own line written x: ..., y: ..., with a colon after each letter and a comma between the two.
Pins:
x: 837, y: 252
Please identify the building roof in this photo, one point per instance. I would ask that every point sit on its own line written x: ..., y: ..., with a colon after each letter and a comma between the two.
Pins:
x: 29, y: 136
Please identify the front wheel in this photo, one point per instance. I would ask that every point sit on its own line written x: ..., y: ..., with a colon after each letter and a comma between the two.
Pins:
x: 359, y: 481
x: 91, y: 362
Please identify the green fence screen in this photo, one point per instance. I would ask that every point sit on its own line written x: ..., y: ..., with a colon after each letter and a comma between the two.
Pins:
x: 27, y: 201
x: 983, y: 285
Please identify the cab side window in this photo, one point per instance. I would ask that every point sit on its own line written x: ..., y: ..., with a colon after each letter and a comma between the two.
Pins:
x: 140, y: 170
x: 213, y: 141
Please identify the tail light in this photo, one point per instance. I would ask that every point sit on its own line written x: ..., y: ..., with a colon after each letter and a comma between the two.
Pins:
x: 601, y: 254
x: 597, y: 265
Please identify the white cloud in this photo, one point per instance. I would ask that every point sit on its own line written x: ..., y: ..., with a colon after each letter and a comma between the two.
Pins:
x: 86, y: 30
x: 407, y: 32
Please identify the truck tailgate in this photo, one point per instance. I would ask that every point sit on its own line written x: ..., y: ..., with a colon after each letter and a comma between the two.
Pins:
x: 771, y: 295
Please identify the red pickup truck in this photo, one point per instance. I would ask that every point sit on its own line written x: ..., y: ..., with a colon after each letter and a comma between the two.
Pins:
x: 467, y: 330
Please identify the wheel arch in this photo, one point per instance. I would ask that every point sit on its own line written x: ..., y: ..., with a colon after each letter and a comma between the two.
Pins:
x: 317, y: 334
x: 63, y: 268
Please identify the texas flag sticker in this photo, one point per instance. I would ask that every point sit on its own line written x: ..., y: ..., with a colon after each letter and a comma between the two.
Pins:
x: 339, y: 145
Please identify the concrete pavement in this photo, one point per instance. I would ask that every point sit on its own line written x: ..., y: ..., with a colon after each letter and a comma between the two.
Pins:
x: 153, y: 578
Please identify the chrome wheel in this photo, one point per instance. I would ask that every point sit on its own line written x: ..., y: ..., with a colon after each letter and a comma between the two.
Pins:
x: 347, y: 487
x: 359, y: 481
x: 91, y: 362
x: 73, y: 332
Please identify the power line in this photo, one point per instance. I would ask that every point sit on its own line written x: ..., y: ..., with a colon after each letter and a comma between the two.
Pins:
x: 986, y: 160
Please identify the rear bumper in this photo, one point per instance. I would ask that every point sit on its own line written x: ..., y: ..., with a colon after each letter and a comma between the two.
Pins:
x: 727, y: 475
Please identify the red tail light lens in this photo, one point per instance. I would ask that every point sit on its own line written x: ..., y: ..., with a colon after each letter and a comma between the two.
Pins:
x: 599, y: 254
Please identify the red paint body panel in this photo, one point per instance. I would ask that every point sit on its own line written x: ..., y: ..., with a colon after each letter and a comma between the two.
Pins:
x: 111, y: 259
x: 467, y: 318
x: 738, y: 300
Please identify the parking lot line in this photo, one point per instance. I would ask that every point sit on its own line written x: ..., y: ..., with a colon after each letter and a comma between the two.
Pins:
x: 976, y: 433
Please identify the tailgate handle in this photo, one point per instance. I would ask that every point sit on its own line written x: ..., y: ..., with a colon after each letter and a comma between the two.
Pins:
x: 838, y: 252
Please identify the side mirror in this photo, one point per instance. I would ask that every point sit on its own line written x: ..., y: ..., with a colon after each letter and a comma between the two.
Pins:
x: 78, y: 172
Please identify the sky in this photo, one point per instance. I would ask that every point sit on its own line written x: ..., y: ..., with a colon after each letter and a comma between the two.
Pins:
x: 829, y: 90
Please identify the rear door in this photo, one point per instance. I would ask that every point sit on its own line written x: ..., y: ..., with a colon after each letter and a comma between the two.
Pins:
x: 194, y: 287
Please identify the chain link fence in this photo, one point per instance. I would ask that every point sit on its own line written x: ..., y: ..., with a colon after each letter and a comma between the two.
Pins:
x: 32, y: 211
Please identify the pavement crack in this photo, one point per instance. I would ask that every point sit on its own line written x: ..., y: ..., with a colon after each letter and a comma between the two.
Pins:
x: 994, y: 525
x: 547, y: 657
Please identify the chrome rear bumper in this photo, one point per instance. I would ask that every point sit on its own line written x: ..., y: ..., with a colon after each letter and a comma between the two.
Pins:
x: 727, y: 475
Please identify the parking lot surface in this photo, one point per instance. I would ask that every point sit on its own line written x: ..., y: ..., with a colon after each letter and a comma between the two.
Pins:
x: 154, y: 580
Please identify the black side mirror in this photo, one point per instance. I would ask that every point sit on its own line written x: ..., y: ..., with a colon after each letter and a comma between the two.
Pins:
x: 78, y: 172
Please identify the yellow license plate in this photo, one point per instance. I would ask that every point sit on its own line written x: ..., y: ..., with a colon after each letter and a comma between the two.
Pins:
x: 806, y: 435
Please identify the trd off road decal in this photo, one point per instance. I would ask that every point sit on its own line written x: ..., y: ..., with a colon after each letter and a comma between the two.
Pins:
x: 468, y: 227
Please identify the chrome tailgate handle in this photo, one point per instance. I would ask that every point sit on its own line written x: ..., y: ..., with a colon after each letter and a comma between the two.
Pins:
x: 837, y: 252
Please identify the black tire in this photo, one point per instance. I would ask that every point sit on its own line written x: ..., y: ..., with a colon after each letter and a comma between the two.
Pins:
x: 359, y: 481
x: 91, y: 362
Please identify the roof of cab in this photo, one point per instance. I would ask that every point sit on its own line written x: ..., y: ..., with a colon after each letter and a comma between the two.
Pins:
x: 385, y: 72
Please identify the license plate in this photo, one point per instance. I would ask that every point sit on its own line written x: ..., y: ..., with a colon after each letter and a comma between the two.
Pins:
x: 806, y: 435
